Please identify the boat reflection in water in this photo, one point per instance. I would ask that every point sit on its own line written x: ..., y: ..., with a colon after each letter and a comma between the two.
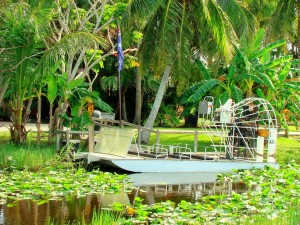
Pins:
x: 152, y: 188
x: 157, y: 187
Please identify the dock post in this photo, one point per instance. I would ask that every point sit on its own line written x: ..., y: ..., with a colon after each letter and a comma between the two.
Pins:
x: 58, y: 139
x: 139, y: 135
x: 67, y: 137
x: 91, y: 138
x: 195, y: 141
x: 157, y: 137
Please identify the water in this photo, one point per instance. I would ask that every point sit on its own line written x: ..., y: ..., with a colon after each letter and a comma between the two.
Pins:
x: 150, y: 187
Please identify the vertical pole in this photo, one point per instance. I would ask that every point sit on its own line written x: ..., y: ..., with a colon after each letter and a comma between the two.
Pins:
x: 195, y: 141
x: 91, y: 137
x: 120, y: 66
x: 120, y: 98
x: 91, y: 126
x: 139, y: 135
x: 157, y: 137
x: 58, y: 139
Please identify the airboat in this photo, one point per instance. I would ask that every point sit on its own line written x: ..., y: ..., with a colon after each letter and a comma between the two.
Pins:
x: 242, y: 135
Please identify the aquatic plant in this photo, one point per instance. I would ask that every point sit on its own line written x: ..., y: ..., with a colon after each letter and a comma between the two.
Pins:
x: 57, y: 184
x: 272, y: 193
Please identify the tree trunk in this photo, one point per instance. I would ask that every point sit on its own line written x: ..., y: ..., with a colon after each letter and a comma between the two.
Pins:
x: 38, y: 117
x: 138, y: 98
x: 145, y: 135
x: 124, y: 113
x: 2, y: 92
x: 19, y: 119
x: 50, y: 123
x: 286, y: 132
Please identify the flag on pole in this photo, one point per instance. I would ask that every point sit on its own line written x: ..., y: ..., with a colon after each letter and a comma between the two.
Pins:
x: 120, y: 51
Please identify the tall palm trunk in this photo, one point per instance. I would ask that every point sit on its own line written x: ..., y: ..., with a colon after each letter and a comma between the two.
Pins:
x: 145, y: 135
x: 138, y: 98
x: 3, y: 89
x: 51, y: 131
x: 38, y: 117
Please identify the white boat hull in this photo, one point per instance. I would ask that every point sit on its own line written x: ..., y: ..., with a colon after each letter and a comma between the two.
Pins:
x: 138, y: 164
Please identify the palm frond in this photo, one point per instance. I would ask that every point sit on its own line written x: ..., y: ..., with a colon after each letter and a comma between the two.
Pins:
x: 109, y: 83
x: 243, y: 21
x: 69, y: 45
x: 216, y: 25
x: 282, y: 23
x: 137, y: 11
x: 249, y: 47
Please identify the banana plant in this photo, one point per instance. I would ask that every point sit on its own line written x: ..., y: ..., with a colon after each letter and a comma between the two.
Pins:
x: 227, y: 86
x: 254, y: 72
x: 74, y: 94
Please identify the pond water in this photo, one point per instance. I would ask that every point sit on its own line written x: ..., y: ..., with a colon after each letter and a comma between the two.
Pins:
x: 150, y: 187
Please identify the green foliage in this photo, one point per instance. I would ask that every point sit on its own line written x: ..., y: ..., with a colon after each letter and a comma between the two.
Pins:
x: 272, y: 193
x: 51, y: 89
x: 253, y: 72
x: 166, y: 117
x: 55, y: 183
x: 30, y: 157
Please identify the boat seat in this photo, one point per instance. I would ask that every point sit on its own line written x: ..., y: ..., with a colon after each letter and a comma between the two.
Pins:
x: 114, y: 141
x: 160, y: 151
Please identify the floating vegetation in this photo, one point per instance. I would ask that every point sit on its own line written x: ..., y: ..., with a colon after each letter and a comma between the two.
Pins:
x: 272, y: 192
x: 57, y: 184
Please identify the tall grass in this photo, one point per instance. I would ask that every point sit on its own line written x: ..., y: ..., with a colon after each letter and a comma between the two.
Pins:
x: 291, y: 217
x: 25, y: 157
x: 100, y: 217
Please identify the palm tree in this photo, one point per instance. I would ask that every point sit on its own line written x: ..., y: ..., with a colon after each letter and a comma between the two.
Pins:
x: 177, y: 31
x: 285, y: 23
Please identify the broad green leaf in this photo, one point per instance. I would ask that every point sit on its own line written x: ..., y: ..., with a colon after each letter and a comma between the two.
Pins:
x: 75, y: 110
x: 260, y: 94
x: 202, y: 90
x: 236, y: 93
x: 265, y: 58
x: 266, y: 80
x: 203, y: 70
x: 190, y: 91
x: 295, y: 70
x: 291, y: 86
x: 277, y: 61
x: 52, y: 89
x: 242, y: 77
x: 258, y: 39
x: 285, y: 71
x: 268, y: 49
x: 295, y: 62
x: 72, y: 84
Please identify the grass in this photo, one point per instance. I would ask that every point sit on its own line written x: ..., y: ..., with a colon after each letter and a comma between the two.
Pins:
x: 25, y: 157
x: 291, y: 217
x: 100, y: 217
x: 287, y: 148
